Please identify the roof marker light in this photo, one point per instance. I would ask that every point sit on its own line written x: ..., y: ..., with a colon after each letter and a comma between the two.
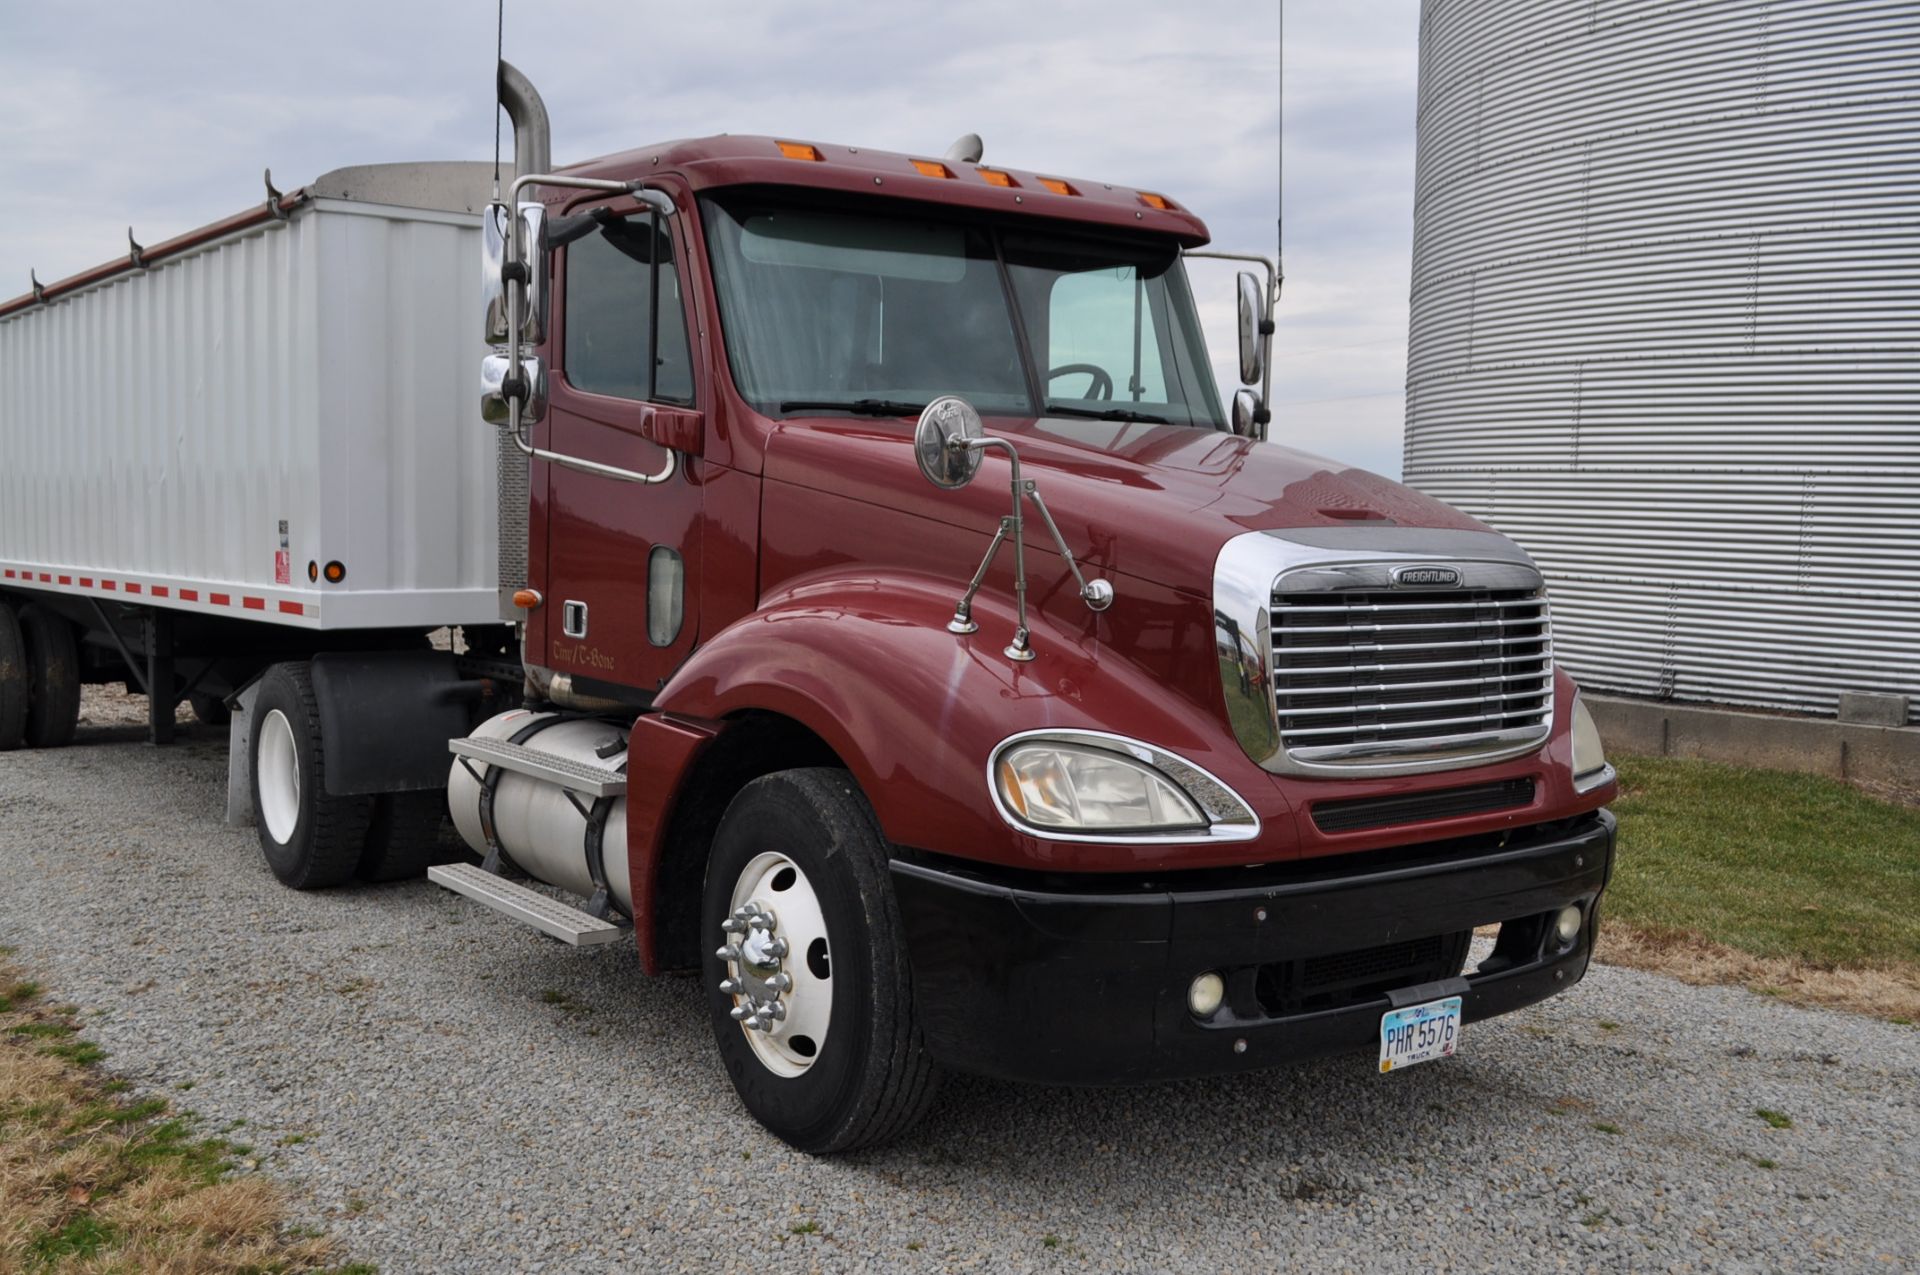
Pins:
x: 932, y: 168
x: 1057, y: 186
x: 1152, y: 200
x: 994, y: 177
x: 800, y: 150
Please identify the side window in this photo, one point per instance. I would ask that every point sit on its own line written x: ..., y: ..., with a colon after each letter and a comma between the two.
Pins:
x: 610, y: 341
x: 1099, y: 319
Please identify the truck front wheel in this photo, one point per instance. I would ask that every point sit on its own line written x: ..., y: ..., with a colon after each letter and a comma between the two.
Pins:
x: 311, y: 838
x: 807, y: 980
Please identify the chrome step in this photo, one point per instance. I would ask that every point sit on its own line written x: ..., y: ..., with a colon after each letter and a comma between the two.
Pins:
x: 568, y: 924
x: 590, y: 781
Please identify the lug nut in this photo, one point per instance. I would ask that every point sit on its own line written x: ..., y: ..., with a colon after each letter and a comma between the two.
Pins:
x: 729, y: 987
x: 728, y: 953
x: 776, y: 948
x: 780, y: 982
x: 741, y: 1013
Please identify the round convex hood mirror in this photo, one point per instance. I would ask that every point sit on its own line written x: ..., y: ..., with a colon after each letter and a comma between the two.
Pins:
x: 946, y: 422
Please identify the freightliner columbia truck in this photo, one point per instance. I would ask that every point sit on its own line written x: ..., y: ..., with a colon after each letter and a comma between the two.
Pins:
x: 862, y: 596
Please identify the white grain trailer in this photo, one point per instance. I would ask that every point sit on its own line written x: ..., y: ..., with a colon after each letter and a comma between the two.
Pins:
x: 255, y: 443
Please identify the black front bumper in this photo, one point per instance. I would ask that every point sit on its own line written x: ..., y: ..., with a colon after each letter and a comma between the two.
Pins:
x: 1064, y: 986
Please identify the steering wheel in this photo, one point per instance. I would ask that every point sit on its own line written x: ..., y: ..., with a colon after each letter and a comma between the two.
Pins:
x: 1102, y: 387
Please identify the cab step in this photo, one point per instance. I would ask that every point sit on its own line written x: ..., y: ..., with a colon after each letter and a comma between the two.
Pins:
x: 530, y: 907
x: 589, y: 781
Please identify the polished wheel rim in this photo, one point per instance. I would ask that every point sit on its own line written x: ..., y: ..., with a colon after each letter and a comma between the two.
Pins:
x: 279, y: 771
x: 779, y: 970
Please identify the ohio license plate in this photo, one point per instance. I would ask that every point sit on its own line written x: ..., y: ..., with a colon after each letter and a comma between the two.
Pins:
x: 1419, y: 1033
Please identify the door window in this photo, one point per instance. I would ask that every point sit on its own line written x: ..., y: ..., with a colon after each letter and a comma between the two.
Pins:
x: 618, y: 280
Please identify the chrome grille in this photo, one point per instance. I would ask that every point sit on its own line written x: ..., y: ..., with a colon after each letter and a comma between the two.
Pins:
x: 1366, y: 674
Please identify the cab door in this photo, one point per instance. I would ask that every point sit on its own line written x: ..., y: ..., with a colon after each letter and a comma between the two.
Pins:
x: 620, y: 555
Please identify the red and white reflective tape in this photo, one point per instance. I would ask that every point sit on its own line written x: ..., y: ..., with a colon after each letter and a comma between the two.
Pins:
x: 174, y: 593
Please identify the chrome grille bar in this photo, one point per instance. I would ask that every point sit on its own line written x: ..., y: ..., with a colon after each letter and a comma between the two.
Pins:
x: 1335, y: 652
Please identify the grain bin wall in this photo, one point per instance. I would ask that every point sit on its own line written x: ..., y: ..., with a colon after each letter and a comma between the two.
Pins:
x: 1666, y: 330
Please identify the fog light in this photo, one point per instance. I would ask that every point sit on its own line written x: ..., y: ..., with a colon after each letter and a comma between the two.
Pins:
x: 1566, y: 926
x: 1206, y: 994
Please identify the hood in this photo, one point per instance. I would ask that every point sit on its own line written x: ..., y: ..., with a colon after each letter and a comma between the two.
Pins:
x: 1155, y: 502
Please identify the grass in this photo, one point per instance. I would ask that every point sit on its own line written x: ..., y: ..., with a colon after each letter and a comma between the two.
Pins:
x: 1777, y: 1119
x: 92, y: 1182
x: 1798, y: 885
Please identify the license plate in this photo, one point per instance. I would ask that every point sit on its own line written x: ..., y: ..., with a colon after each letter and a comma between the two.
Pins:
x: 1419, y: 1033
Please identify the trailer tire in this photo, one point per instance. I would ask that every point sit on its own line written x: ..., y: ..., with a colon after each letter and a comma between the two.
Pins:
x: 53, y: 677
x: 210, y: 710
x: 311, y: 838
x: 16, y: 685
x: 407, y: 836
x: 869, y: 1078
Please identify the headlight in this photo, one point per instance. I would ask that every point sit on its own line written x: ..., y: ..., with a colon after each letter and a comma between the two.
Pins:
x: 1590, y: 768
x: 1078, y: 788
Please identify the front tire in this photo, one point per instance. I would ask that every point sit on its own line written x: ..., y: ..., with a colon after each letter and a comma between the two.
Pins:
x: 804, y: 941
x: 311, y: 838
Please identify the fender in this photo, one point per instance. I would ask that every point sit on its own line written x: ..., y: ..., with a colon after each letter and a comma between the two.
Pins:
x: 913, y: 711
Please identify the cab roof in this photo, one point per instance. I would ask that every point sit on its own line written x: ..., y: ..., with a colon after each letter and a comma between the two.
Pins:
x: 710, y: 163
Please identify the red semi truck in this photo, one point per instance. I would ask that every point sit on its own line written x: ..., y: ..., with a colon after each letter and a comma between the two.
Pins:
x: 865, y: 599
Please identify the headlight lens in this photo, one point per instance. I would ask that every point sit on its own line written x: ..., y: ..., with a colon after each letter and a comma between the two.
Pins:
x: 1081, y: 789
x: 1589, y: 759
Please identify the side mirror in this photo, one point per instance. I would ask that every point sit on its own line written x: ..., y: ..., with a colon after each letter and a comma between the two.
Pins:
x: 945, y: 420
x: 493, y: 272
x: 1246, y: 414
x: 1252, y: 316
x: 494, y: 390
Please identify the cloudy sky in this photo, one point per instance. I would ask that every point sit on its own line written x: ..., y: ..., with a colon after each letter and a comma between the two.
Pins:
x: 162, y: 116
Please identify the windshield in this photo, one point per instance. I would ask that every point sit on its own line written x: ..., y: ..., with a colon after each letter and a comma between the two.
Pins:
x: 882, y: 312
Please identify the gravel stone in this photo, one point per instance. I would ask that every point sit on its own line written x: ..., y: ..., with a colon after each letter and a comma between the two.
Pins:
x: 446, y: 1091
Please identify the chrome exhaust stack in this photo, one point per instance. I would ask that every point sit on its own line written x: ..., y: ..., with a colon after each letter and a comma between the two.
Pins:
x: 532, y: 132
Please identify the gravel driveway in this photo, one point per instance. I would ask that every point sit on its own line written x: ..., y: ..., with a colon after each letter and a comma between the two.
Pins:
x: 447, y: 1091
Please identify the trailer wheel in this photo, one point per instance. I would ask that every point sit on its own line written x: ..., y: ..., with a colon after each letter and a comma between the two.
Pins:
x: 311, y: 839
x: 53, y: 678
x: 15, y: 682
x: 808, y: 984
x: 407, y: 836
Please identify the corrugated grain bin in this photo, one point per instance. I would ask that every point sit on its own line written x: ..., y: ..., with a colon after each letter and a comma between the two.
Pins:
x: 1666, y: 281
x: 292, y: 387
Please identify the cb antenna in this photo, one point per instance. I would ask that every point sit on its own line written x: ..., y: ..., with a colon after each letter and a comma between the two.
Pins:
x: 1280, y: 160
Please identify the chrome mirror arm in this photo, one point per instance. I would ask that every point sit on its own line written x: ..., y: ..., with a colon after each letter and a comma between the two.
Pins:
x: 1097, y: 593
x: 963, y: 621
x: 516, y: 394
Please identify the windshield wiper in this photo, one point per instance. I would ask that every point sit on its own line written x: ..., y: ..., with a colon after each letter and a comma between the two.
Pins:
x: 1107, y: 414
x: 858, y: 406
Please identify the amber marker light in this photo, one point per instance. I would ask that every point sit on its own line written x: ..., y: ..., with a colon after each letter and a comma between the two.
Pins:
x: 994, y: 177
x: 335, y: 572
x: 1057, y: 186
x: 1010, y: 788
x: 800, y: 150
x: 1152, y: 200
x: 932, y: 168
x: 527, y: 599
